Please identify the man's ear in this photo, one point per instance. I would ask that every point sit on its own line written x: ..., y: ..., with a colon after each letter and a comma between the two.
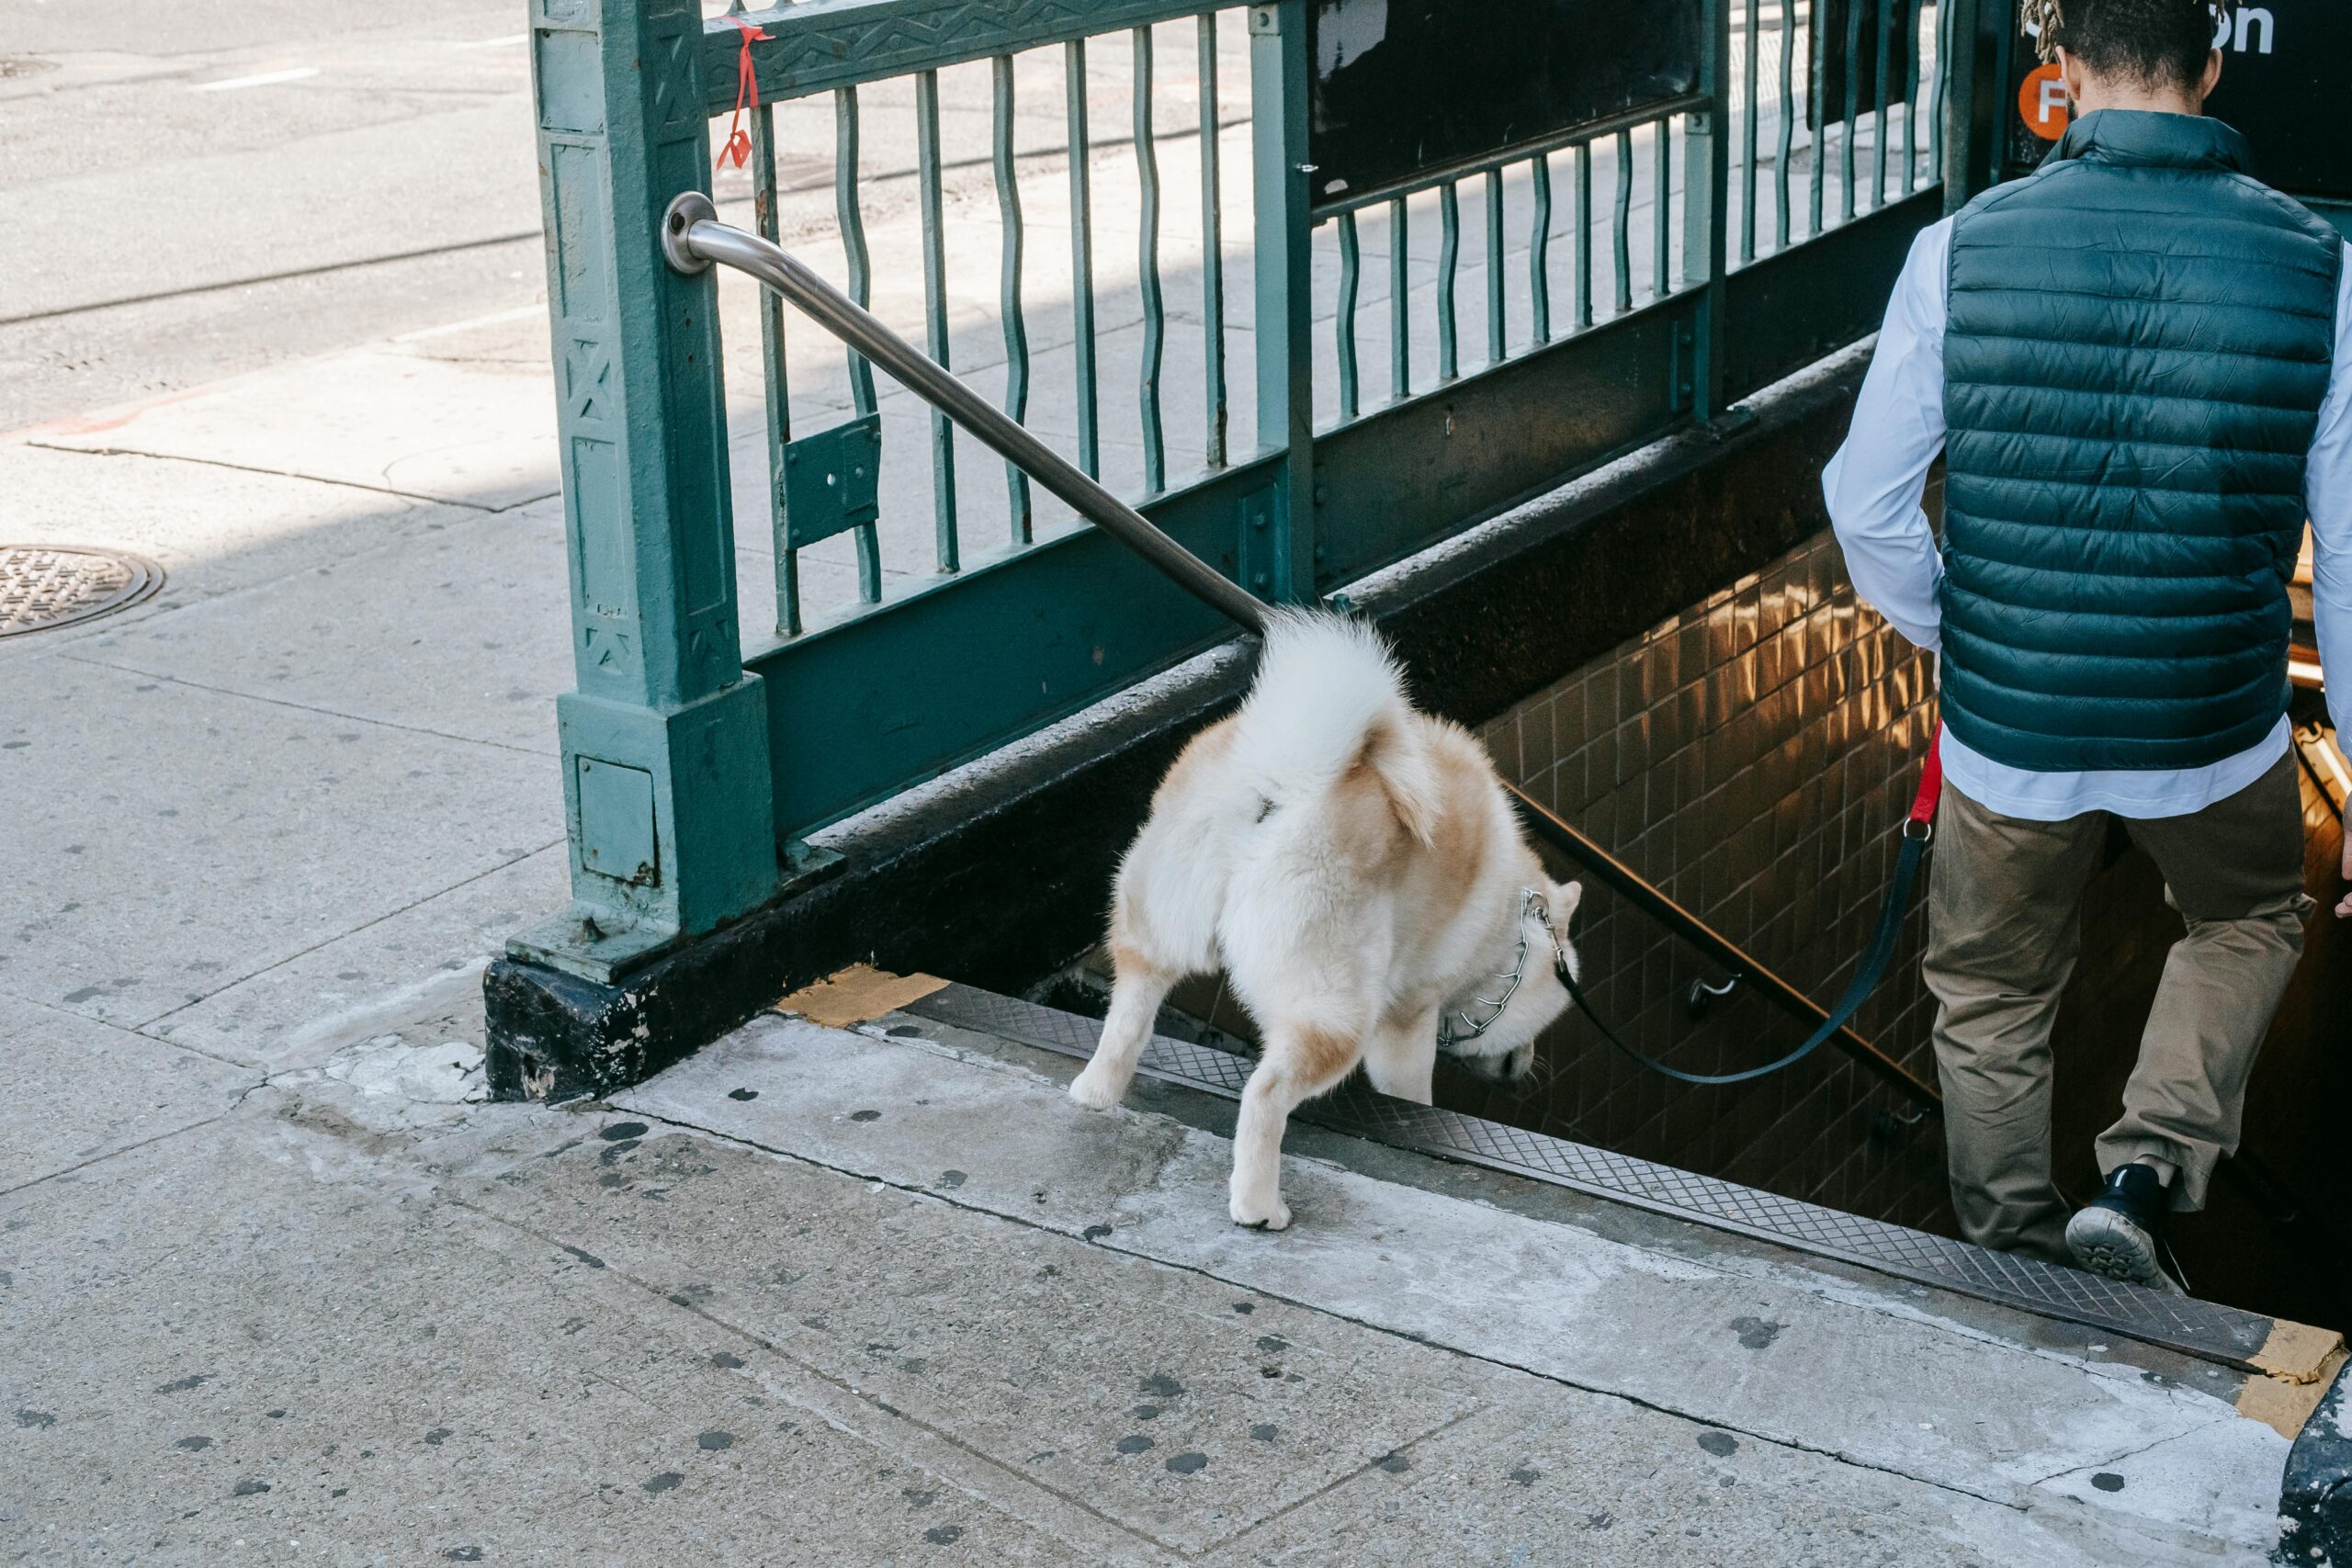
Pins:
x: 2212, y: 79
x: 2070, y: 71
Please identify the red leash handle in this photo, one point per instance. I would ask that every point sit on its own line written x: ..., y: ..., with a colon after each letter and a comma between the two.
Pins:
x: 1931, y: 786
x: 747, y: 93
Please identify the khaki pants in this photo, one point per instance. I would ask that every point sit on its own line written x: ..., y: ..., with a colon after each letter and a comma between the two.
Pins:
x: 2002, y: 931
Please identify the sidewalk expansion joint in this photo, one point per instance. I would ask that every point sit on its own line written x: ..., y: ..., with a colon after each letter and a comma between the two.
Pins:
x: 275, y: 964
x: 871, y: 1401
x: 418, y: 496
x: 1485, y: 1359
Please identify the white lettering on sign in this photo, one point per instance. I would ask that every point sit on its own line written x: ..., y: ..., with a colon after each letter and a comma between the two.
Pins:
x: 2249, y: 20
x: 2054, y: 100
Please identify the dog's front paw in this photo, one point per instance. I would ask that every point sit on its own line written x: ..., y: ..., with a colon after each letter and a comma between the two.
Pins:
x: 1095, y: 1089
x: 1270, y: 1214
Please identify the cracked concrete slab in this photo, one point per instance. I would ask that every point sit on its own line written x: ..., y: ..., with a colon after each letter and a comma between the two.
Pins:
x: 103, y: 1089
x: 1975, y: 1413
x: 195, y: 837
x: 1140, y: 1392
x: 416, y: 1381
x: 481, y: 435
x: 923, y: 1311
x: 214, y: 531
x: 419, y: 968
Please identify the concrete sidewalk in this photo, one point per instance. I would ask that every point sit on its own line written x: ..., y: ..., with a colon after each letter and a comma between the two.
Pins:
x: 888, y: 1297
x: 277, y: 1286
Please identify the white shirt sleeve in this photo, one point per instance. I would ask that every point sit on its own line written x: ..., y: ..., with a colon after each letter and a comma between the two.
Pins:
x: 1874, y: 483
x: 2327, y: 493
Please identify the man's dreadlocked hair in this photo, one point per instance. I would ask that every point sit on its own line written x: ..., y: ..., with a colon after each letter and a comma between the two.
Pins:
x: 2148, y: 42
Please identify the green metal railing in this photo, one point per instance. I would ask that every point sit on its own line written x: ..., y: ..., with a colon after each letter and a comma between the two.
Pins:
x: 690, y: 757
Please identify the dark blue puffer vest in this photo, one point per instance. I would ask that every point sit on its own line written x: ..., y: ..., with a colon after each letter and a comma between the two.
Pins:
x: 2138, y: 341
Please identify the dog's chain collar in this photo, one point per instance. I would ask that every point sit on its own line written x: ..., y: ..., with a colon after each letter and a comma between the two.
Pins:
x: 1461, y: 1028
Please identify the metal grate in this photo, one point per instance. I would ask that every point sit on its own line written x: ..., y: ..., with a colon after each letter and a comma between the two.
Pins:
x: 44, y: 586
x: 2204, y: 1329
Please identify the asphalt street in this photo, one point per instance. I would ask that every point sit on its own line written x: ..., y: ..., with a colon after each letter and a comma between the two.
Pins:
x: 195, y: 190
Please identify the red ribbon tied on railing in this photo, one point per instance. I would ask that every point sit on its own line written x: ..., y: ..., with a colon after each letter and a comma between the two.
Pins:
x: 747, y: 92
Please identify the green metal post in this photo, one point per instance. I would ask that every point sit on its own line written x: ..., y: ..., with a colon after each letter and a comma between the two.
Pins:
x: 1706, y: 213
x: 1974, y: 85
x: 1279, y: 543
x: 665, y: 742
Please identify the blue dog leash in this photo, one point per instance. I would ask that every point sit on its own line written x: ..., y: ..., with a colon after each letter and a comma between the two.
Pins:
x: 1917, y: 831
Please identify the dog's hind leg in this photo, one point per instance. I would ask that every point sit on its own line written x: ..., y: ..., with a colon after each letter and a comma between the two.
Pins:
x: 1400, y: 1058
x: 1137, y: 988
x: 1301, y: 1061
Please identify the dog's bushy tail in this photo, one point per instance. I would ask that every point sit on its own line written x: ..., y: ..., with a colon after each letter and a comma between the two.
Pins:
x: 1329, y: 698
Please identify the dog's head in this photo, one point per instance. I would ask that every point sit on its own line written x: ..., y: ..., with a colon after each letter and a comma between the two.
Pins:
x: 1504, y: 1051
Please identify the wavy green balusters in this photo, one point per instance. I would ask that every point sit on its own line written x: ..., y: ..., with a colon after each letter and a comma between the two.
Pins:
x: 1211, y: 248
x: 1662, y: 212
x: 1155, y: 312
x: 1539, y: 250
x: 1449, y: 258
x: 1788, y: 119
x: 1081, y: 259
x: 1584, y: 233
x: 1624, y: 236
x: 1343, y: 321
x: 852, y: 220
x: 772, y: 367
x: 1016, y: 331
x: 1749, y: 122
x: 1400, y: 330
x: 947, y: 549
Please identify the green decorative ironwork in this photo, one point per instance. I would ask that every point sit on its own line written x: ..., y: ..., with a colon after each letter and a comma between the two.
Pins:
x: 667, y: 778
x: 1584, y: 234
x: 832, y: 481
x: 947, y: 547
x: 1622, y: 232
x: 1788, y: 109
x: 849, y: 214
x: 817, y: 45
x: 1661, y: 210
x: 688, y: 763
x: 1749, y: 132
x: 1155, y: 310
x: 1449, y: 261
x: 1016, y: 331
x: 1817, y: 90
x: 1853, y: 71
x: 1494, y: 194
x: 1212, y: 245
x: 1081, y: 259
x: 1539, y: 250
x: 1878, y: 137
x: 1343, y: 321
x: 778, y: 403
x: 1400, y: 278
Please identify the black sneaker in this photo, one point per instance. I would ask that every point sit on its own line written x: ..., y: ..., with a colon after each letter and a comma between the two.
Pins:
x: 2122, y: 1233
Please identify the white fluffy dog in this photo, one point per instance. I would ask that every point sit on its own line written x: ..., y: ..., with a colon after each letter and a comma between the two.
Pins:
x: 1355, y: 867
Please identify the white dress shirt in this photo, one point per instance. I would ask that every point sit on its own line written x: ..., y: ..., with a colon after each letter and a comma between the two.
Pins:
x: 1873, y: 486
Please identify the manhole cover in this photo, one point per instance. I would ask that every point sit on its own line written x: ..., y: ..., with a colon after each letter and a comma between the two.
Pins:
x: 51, y: 585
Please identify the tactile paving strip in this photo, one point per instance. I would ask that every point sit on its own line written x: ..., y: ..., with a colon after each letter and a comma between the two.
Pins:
x: 2204, y: 1329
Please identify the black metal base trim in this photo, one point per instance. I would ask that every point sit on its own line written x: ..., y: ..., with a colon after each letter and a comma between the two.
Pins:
x: 2204, y: 1329
x: 1003, y: 876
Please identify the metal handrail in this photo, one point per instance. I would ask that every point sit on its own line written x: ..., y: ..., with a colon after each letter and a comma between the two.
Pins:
x: 693, y: 238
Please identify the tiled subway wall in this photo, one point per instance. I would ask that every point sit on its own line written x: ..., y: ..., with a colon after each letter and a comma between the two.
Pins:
x: 1754, y: 756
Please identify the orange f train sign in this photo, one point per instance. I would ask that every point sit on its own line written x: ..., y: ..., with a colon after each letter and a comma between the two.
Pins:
x: 2286, y: 75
